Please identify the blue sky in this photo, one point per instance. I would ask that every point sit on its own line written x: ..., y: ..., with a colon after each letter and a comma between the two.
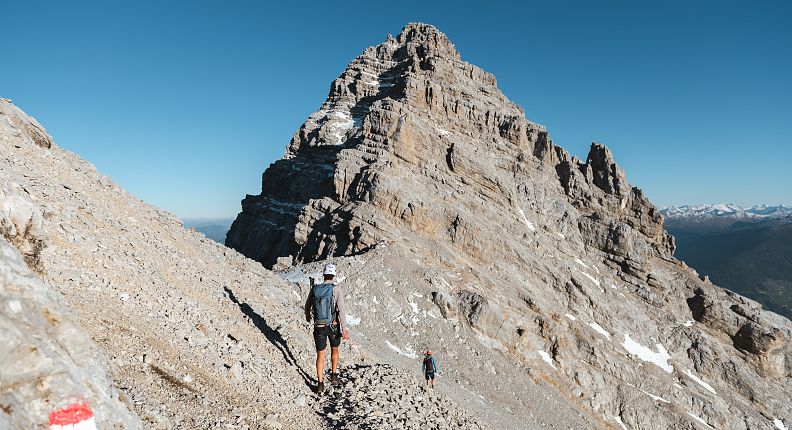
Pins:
x: 185, y: 103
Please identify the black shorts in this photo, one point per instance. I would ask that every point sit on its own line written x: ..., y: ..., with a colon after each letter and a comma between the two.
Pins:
x: 321, y: 334
x: 429, y: 375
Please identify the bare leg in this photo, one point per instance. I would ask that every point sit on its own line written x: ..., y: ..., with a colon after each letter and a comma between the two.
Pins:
x: 334, y: 359
x: 320, y: 365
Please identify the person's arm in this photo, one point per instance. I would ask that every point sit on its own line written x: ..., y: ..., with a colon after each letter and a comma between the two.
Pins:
x: 423, y: 366
x: 309, y: 306
x: 338, y: 296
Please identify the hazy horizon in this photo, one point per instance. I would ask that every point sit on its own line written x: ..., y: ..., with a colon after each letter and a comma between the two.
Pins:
x: 185, y: 104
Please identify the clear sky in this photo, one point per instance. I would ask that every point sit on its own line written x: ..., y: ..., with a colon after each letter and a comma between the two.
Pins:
x: 185, y: 103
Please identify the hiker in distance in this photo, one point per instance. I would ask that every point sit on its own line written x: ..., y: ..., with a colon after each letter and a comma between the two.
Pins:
x: 325, y: 305
x: 429, y: 368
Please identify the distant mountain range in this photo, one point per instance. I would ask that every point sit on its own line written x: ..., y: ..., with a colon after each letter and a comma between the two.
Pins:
x: 747, y: 250
x: 722, y: 215
x: 212, y: 228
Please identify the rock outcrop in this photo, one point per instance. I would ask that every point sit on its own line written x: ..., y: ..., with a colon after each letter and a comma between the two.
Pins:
x: 48, y: 362
x: 554, y: 272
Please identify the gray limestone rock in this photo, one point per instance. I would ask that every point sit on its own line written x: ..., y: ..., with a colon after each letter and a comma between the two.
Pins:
x: 560, y: 270
x: 48, y: 362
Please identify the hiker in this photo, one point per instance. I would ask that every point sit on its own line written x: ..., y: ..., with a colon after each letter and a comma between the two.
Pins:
x: 325, y: 305
x: 429, y: 368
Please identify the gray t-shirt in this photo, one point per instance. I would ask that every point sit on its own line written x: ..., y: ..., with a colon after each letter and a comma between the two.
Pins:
x: 338, y: 299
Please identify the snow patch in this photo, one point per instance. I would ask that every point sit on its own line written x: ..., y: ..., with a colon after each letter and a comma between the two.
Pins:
x: 699, y: 381
x: 779, y: 424
x: 561, y: 235
x: 655, y: 398
x: 594, y: 280
x: 688, y: 323
x: 699, y: 419
x: 528, y: 224
x: 442, y: 131
x: 598, y: 328
x: 618, y: 420
x: 659, y: 358
x: 407, y: 351
x: 414, y: 307
x: 546, y: 358
x: 579, y: 261
x: 340, y: 122
x: 571, y: 317
x: 351, y: 320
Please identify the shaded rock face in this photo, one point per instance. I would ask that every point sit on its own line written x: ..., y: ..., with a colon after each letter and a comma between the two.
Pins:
x: 558, y: 264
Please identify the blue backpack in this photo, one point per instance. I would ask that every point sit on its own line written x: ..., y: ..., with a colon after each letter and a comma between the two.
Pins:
x: 323, y: 306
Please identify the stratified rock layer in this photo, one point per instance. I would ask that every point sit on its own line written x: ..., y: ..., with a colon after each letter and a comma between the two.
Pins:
x: 557, y: 264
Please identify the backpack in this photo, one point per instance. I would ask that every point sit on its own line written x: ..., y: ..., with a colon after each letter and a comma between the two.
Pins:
x: 429, y: 363
x: 323, y: 306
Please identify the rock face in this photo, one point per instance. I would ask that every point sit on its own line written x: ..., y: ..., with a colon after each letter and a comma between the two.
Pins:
x: 48, y: 360
x: 554, y: 273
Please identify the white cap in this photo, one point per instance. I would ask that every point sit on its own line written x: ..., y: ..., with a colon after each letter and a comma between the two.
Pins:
x: 330, y: 269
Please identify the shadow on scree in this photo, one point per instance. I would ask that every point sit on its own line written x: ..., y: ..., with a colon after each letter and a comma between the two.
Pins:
x: 272, y: 335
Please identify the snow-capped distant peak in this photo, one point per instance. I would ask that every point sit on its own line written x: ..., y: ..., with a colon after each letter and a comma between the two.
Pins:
x: 762, y: 211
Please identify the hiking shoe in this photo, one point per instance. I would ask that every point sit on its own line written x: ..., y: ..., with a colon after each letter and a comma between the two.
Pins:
x: 334, y: 379
x: 320, y: 387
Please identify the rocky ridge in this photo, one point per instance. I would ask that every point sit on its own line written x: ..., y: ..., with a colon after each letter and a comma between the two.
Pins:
x: 527, y: 265
x: 385, y: 396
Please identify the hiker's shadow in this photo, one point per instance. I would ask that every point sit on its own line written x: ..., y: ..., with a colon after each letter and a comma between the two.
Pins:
x: 272, y: 335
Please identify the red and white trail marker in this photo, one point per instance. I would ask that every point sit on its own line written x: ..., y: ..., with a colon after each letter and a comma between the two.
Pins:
x: 76, y: 416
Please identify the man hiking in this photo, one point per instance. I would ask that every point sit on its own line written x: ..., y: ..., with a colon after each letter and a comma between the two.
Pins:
x: 429, y: 367
x: 325, y: 305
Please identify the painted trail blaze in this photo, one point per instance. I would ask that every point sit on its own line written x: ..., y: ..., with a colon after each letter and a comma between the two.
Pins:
x: 76, y: 416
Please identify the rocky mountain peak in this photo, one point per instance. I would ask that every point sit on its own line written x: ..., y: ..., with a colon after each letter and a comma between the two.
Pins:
x: 425, y: 41
x: 417, y: 158
x: 411, y: 104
